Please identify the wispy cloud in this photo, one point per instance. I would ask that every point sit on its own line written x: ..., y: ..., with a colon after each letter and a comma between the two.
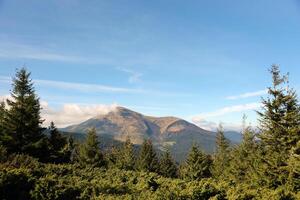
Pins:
x: 227, y: 110
x: 134, y: 76
x: 82, y: 87
x: 213, y: 126
x: 247, y: 95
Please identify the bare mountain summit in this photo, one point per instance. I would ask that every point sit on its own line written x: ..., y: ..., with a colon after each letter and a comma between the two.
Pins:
x: 171, y: 132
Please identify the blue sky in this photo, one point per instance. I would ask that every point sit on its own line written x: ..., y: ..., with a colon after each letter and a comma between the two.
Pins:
x: 204, y: 61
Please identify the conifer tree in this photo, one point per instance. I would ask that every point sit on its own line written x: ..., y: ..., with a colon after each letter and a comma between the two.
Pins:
x: 222, y: 154
x: 243, y: 158
x: 22, y: 122
x: 148, y: 160
x: 89, y: 151
x: 280, y: 129
x: 197, y: 165
x: 71, y: 151
x: 57, y: 142
x: 167, y: 166
x: 280, y: 118
x: 126, y: 156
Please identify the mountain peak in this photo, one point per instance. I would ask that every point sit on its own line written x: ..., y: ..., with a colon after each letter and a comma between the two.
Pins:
x: 171, y: 132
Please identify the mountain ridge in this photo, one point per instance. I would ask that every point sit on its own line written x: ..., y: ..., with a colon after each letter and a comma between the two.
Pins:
x: 166, y: 132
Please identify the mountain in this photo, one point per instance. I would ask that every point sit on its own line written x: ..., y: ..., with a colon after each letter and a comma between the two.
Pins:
x: 166, y: 132
x: 233, y: 136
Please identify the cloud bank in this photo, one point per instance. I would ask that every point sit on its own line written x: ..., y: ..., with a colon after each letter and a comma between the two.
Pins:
x: 70, y: 114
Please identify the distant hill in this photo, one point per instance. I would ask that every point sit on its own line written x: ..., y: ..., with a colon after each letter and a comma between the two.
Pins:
x: 166, y: 132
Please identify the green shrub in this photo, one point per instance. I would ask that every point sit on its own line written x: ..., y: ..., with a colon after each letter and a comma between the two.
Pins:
x: 15, y: 184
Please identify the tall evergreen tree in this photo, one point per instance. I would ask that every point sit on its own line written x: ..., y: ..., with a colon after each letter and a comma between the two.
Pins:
x: 167, y: 165
x: 89, y: 152
x: 280, y: 118
x: 197, y: 165
x: 126, y: 156
x: 56, y: 142
x: 222, y: 154
x: 280, y: 129
x: 148, y: 160
x: 22, y: 122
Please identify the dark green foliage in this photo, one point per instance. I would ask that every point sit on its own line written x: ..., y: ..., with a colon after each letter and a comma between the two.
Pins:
x: 89, y: 151
x: 148, y: 160
x: 242, y: 165
x: 3, y: 153
x: 71, y: 152
x: 222, y: 154
x: 280, y: 119
x: 167, y: 165
x: 294, y: 168
x: 2, y: 115
x: 22, y: 122
x: 15, y: 184
x: 197, y: 165
x: 280, y: 130
x: 126, y: 156
x: 56, y: 144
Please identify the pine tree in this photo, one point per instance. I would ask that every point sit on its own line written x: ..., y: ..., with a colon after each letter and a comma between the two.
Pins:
x: 22, y: 122
x: 197, y: 165
x: 280, y: 118
x: 222, y: 154
x: 71, y: 151
x: 280, y: 130
x: 168, y: 166
x: 148, y: 160
x: 56, y: 142
x: 126, y: 156
x: 242, y: 163
x: 89, y: 152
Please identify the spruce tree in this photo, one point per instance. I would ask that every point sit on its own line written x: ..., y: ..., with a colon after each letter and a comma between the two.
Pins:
x: 279, y: 129
x: 243, y: 157
x: 222, y: 154
x: 148, y: 160
x: 89, y: 151
x: 280, y: 118
x: 71, y: 151
x: 126, y: 156
x: 22, y: 122
x: 197, y: 165
x: 167, y: 166
x: 56, y: 142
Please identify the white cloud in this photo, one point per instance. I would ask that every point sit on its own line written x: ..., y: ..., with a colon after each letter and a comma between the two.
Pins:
x: 226, y: 110
x: 203, y: 121
x: 247, y: 95
x: 212, y: 126
x: 82, y: 87
x: 70, y: 114
x: 134, y: 76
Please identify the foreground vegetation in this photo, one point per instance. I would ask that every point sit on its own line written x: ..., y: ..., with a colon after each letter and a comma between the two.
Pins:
x: 39, y: 163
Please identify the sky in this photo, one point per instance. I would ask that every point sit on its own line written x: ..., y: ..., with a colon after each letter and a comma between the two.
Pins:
x: 203, y: 61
